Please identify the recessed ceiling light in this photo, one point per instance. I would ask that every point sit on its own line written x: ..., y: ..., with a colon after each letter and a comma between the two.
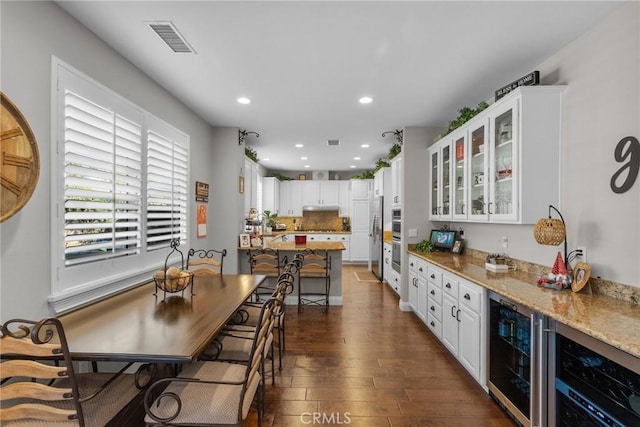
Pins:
x: 303, y: 158
x: 356, y: 158
x: 266, y: 159
x: 244, y: 100
x: 352, y: 166
x: 366, y: 100
x: 299, y: 145
x: 365, y: 146
x: 307, y: 166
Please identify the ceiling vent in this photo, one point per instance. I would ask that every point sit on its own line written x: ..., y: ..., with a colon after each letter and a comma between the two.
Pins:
x: 333, y: 142
x: 168, y: 32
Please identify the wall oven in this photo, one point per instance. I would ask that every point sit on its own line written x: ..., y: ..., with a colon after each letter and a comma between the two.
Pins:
x: 396, y: 224
x: 396, y: 239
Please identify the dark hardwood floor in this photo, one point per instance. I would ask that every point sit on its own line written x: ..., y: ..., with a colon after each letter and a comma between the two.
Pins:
x: 368, y: 364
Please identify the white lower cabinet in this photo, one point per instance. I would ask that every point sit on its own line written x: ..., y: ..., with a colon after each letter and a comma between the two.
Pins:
x: 386, y: 268
x: 345, y: 239
x: 455, y: 312
x: 394, y: 280
x: 418, y: 287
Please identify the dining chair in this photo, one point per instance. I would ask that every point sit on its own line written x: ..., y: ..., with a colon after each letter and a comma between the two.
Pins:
x: 314, y: 265
x: 40, y: 386
x: 213, y: 393
x: 206, y: 261
x: 232, y: 344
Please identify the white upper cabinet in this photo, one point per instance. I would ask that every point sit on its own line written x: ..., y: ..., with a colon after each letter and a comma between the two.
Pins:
x: 441, y: 177
x: 396, y: 181
x: 360, y: 189
x: 290, y: 198
x: 504, y: 165
x: 320, y: 193
x: 345, y: 197
x: 270, y: 194
x: 250, y: 185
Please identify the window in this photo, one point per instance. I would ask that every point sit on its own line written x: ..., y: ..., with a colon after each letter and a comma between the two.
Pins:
x: 120, y: 186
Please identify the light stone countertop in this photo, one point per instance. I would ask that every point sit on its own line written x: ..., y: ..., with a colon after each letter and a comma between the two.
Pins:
x: 275, y: 242
x: 613, y: 321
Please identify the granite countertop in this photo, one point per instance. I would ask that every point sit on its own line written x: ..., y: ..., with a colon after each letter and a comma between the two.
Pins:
x: 613, y: 321
x: 275, y: 242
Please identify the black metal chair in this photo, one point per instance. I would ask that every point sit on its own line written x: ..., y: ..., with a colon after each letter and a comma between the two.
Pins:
x: 314, y: 265
x: 206, y: 261
x: 40, y: 386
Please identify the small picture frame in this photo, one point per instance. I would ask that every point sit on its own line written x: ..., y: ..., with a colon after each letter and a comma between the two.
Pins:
x: 241, y: 185
x: 245, y: 241
x: 458, y: 247
x: 256, y: 242
x: 302, y: 177
x: 581, y: 274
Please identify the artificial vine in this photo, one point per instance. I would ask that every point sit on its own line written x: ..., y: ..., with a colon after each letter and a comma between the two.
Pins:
x: 251, y: 153
x: 466, y: 114
x: 394, y: 151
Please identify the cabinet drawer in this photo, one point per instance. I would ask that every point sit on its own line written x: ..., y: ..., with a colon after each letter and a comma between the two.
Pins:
x: 423, y: 269
x: 450, y: 286
x: 413, y: 264
x: 435, y: 326
x: 434, y: 293
x: 434, y: 309
x: 435, y: 277
x: 470, y: 296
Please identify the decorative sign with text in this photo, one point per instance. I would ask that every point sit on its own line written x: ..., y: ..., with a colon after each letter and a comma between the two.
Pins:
x: 530, y: 79
x: 202, y: 192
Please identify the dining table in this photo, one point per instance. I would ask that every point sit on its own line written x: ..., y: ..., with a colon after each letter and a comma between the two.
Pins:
x: 144, y: 324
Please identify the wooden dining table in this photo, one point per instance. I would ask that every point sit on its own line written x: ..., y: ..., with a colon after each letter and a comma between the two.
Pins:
x: 138, y: 326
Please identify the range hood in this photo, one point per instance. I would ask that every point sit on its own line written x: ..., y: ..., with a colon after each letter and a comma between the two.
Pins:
x: 318, y: 208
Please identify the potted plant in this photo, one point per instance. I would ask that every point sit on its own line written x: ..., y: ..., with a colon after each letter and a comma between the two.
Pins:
x: 269, y: 220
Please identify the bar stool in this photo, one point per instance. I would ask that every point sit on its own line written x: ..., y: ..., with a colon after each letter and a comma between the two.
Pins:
x: 265, y: 262
x: 314, y: 265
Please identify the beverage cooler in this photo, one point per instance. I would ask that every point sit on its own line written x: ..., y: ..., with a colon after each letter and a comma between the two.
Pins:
x: 591, y: 383
x: 516, y: 367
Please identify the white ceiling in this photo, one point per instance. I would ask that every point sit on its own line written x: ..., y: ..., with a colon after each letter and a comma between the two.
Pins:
x: 305, y: 64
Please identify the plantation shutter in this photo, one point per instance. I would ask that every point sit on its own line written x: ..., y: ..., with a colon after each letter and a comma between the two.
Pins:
x: 102, y: 182
x: 167, y: 191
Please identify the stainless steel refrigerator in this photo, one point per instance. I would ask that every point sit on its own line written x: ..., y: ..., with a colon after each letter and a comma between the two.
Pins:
x: 376, y: 237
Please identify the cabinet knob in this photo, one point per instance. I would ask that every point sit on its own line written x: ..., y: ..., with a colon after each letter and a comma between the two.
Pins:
x: 433, y: 308
x: 467, y: 296
x: 420, y: 269
x: 432, y: 292
x: 453, y: 308
x: 411, y: 264
x: 433, y: 324
x: 448, y: 285
x: 433, y: 276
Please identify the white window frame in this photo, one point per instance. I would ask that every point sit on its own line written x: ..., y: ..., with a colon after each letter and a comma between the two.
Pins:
x: 76, y: 285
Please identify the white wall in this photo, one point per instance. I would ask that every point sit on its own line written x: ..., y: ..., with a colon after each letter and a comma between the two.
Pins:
x: 31, y: 32
x: 601, y: 105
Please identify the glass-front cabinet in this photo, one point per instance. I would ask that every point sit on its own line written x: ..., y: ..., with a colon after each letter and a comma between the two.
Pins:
x: 478, y: 170
x: 459, y: 182
x: 440, y: 178
x: 502, y: 166
x: 503, y: 194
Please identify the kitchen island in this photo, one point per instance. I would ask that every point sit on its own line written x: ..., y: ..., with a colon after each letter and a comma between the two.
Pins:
x: 289, y: 249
